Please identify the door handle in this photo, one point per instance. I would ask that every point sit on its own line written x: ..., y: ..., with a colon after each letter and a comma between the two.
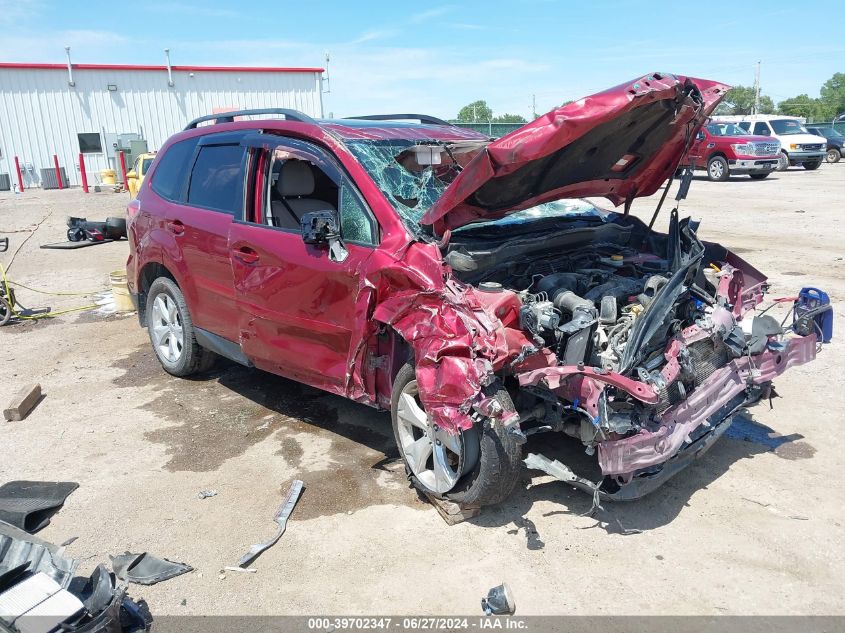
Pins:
x: 175, y: 226
x: 246, y: 254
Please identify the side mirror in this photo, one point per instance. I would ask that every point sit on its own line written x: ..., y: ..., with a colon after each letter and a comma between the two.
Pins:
x: 131, y: 174
x: 322, y: 227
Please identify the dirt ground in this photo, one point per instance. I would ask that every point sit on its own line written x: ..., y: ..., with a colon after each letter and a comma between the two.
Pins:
x: 755, y: 527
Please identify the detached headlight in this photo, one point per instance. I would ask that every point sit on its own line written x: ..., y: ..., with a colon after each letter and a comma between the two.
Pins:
x: 746, y: 149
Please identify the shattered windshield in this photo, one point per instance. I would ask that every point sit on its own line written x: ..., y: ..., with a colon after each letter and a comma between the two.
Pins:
x: 413, y: 175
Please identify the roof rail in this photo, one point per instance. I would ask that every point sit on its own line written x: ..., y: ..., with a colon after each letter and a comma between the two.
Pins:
x: 422, y: 118
x: 228, y: 117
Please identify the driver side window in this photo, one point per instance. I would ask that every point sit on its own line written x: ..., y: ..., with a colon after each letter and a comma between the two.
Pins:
x: 298, y: 183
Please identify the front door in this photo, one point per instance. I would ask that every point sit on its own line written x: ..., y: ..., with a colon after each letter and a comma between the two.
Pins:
x: 296, y: 302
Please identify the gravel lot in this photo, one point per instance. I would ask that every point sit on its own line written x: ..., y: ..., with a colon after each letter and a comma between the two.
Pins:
x: 755, y: 527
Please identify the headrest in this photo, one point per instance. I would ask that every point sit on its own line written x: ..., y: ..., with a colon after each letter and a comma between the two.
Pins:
x: 295, y: 179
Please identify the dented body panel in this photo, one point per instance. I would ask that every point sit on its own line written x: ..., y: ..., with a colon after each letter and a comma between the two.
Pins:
x: 627, y: 339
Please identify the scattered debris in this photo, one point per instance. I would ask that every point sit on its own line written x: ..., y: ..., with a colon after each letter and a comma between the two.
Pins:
x: 28, y: 505
x: 38, y: 591
x: 144, y: 569
x: 22, y: 403
x: 205, y: 494
x: 281, y: 517
x: 248, y: 570
x: 499, y: 601
x: 69, y: 541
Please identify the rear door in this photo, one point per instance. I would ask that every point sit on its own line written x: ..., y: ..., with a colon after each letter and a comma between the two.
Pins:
x: 201, y: 190
x: 297, y: 305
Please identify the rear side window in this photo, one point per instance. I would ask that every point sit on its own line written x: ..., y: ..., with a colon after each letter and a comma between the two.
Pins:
x: 169, y: 176
x: 217, y: 179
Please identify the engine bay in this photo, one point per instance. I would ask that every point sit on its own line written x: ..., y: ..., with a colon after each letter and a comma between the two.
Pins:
x: 621, y: 328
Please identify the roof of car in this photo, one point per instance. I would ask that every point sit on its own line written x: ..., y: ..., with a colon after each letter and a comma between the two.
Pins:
x: 362, y: 129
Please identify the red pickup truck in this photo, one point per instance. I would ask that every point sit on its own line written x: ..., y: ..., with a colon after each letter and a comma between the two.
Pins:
x: 725, y: 149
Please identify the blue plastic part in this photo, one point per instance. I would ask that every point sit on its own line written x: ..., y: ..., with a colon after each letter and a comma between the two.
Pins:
x: 811, y: 299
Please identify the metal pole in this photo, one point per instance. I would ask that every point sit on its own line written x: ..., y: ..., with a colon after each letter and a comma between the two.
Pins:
x: 757, y: 91
x: 123, y: 169
x: 82, y: 173
x: 20, y: 176
x: 58, y: 172
x: 70, y: 81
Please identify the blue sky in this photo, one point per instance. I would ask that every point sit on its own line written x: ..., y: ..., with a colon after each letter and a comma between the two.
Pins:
x: 436, y: 57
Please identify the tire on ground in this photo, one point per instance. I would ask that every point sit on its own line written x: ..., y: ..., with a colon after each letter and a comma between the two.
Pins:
x: 812, y: 165
x: 499, y: 463
x: 833, y: 155
x: 193, y: 358
x: 759, y: 176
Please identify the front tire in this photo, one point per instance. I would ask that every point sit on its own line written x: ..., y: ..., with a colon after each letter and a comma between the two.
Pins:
x: 476, y: 467
x: 833, y: 155
x: 758, y: 176
x: 812, y: 165
x: 717, y: 169
x: 172, y: 332
x: 783, y: 162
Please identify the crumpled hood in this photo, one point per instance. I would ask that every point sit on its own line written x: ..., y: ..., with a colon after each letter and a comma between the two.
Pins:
x: 619, y: 144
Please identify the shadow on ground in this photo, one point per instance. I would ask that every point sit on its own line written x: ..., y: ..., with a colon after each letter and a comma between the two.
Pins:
x: 343, y: 451
x: 220, y: 415
x: 745, y: 439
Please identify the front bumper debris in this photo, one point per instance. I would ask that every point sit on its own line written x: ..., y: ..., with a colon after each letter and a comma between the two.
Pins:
x: 635, y: 466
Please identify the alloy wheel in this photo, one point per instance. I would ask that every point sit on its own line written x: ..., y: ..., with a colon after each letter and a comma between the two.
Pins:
x: 168, y: 335
x: 717, y: 170
x: 437, y: 458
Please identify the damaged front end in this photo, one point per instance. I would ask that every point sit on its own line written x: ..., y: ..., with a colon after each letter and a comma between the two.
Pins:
x: 641, y: 346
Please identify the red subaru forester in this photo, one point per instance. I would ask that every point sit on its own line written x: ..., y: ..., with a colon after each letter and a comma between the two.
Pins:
x: 465, y: 284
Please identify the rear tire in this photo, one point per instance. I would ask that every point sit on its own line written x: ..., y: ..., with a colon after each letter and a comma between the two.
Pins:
x: 833, y: 155
x: 496, y: 454
x: 813, y: 165
x: 717, y: 169
x: 171, y: 331
x: 783, y: 162
x: 758, y: 176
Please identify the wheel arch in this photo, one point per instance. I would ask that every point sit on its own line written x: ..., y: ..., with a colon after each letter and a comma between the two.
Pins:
x: 146, y: 276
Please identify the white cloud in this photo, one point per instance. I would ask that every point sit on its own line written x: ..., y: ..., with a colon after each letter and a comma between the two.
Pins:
x: 424, y: 16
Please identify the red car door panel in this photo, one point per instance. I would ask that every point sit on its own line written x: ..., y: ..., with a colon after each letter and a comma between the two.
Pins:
x: 296, y: 305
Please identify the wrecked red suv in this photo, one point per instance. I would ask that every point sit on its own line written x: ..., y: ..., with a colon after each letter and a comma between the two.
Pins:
x: 463, y: 283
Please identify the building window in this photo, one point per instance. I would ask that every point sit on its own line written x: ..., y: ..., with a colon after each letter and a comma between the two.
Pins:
x: 90, y: 143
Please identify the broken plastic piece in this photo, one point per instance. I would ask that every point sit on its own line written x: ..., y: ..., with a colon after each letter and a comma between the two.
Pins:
x: 144, y: 569
x: 499, y: 601
x: 205, y: 494
x: 563, y: 473
x: 28, y: 505
x: 281, y: 517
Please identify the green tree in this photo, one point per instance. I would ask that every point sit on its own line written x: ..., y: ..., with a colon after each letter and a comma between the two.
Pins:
x: 509, y: 118
x: 833, y: 96
x: 475, y: 112
x: 740, y: 100
x: 802, y: 105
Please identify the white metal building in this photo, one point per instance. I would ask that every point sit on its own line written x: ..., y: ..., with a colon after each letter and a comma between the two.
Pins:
x: 48, y: 109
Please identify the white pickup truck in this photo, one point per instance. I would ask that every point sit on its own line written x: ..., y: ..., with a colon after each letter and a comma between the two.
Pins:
x: 798, y: 146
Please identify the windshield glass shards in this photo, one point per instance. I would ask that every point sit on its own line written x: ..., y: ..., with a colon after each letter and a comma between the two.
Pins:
x: 412, y: 175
